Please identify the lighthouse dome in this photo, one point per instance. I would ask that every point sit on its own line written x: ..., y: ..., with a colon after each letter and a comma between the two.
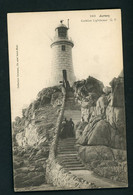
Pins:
x: 61, y: 26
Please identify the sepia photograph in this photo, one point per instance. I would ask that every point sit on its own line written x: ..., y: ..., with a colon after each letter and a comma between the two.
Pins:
x: 67, y: 100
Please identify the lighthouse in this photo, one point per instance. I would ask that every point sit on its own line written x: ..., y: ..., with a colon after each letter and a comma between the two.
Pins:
x: 62, y: 55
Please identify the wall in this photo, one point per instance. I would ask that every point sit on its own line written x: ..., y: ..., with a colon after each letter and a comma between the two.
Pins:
x: 58, y: 176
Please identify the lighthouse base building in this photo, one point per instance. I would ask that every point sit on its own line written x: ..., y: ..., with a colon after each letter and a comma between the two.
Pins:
x: 62, y: 56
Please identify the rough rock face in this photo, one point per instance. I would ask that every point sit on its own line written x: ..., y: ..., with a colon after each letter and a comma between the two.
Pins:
x: 117, y: 85
x: 116, y: 117
x: 89, y: 101
x: 97, y: 132
x: 87, y: 93
x: 101, y: 105
x: 85, y: 87
x: 32, y: 135
x: 101, y: 134
x: 79, y: 128
x: 105, y: 106
x: 38, y: 129
x: 102, y: 140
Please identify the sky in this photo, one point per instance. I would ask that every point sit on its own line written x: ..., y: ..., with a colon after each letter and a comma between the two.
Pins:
x: 97, y: 49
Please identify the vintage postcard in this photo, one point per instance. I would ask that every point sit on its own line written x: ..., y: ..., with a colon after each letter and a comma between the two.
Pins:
x: 67, y: 100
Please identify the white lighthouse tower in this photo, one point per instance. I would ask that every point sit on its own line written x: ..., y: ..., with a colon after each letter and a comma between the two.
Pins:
x: 62, y: 55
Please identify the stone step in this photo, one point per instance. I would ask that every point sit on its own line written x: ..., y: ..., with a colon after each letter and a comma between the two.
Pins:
x: 75, y: 168
x: 70, y: 97
x: 72, y: 163
x: 68, y: 160
x: 70, y: 101
x: 71, y: 156
x: 65, y: 156
x: 67, y: 141
x: 67, y: 144
x: 68, y: 152
x: 76, y: 160
x: 65, y: 150
x: 70, y: 140
x: 68, y: 156
x: 73, y: 160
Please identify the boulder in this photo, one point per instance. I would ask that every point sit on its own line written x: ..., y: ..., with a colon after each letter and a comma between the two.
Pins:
x: 31, y: 179
x: 116, y: 116
x: 83, y: 138
x: 100, y: 135
x: 56, y: 99
x: 79, y: 128
x: 94, y: 85
x: 119, y: 154
x: 86, y: 113
x: 97, y: 132
x: 117, y: 85
x: 107, y: 90
x: 90, y: 85
x: 95, y: 153
x: 89, y: 100
x: 101, y: 105
x: 17, y: 164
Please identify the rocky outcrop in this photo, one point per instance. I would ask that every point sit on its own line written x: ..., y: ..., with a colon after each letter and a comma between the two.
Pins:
x: 84, y: 87
x: 105, y: 161
x: 38, y: 129
x: 32, y: 135
x: 117, y: 85
x: 97, y: 132
x: 101, y: 105
x: 102, y: 140
x: 106, y: 105
x: 100, y: 134
x: 79, y: 128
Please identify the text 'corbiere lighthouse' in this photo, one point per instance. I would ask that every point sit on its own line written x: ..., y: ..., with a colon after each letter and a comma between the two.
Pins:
x: 62, y: 55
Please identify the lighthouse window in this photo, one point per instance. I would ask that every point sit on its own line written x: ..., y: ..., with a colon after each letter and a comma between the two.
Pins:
x: 62, y: 32
x: 63, y: 48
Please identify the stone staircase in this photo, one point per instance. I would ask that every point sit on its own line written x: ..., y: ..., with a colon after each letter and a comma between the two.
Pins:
x: 67, y: 155
x: 70, y: 102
